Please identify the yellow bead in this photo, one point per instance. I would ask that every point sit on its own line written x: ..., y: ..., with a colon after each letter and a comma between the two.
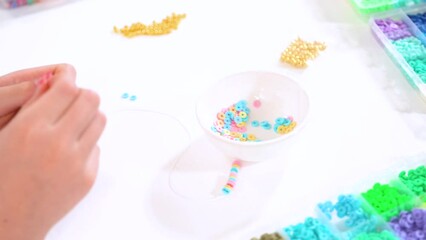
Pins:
x: 251, y: 137
x: 243, y: 114
x: 280, y: 129
x: 164, y: 27
x: 241, y: 124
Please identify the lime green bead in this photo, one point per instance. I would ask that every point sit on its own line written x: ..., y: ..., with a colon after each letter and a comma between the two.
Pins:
x: 388, y: 201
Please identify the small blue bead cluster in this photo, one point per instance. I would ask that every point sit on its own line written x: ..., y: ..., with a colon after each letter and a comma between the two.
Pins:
x: 311, y: 229
x: 347, y: 206
x: 410, y: 225
x: 127, y: 96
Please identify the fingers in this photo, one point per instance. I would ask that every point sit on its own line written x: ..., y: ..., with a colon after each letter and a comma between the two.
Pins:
x: 81, y: 113
x: 93, y: 132
x: 4, y: 120
x: 30, y: 74
x: 14, y: 96
x: 59, y: 96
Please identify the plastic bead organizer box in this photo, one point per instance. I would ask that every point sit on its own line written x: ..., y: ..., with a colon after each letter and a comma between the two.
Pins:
x: 17, y: 3
x: 400, y: 27
x: 393, y: 208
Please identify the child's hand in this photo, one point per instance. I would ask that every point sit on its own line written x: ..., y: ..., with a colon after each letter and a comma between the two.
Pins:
x: 48, y: 157
x: 17, y: 88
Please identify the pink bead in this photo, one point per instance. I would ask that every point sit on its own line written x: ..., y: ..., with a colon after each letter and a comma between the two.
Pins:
x: 237, y: 162
x: 243, y: 129
x: 257, y: 103
x: 290, y: 118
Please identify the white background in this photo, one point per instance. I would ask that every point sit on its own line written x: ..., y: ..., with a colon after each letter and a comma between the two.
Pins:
x: 157, y: 168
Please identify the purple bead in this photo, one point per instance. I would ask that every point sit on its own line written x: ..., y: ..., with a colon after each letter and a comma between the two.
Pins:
x: 420, y: 234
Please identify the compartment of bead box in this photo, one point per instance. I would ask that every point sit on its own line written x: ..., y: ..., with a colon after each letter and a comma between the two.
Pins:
x: 349, y: 216
x: 404, y: 42
x: 17, y: 3
x: 374, y: 6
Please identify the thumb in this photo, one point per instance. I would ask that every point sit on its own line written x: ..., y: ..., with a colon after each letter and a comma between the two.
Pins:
x: 12, y: 97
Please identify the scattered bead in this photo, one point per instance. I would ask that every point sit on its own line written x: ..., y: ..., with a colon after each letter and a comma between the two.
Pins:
x: 127, y: 96
x: 265, y: 125
x: 232, y: 123
x: 284, y: 125
x: 300, y: 51
x: 255, y: 123
x: 257, y: 103
x: 166, y: 26
x: 230, y: 185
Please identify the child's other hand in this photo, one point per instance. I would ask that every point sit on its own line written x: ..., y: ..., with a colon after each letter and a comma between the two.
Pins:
x: 48, y: 157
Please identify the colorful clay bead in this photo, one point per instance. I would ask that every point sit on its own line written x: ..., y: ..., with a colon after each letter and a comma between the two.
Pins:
x: 311, y: 229
x: 230, y: 185
x: 267, y: 236
x: 410, y: 225
x: 388, y: 200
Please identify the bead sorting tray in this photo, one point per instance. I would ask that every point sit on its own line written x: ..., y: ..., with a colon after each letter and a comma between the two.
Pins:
x: 376, y: 209
x: 402, y: 33
x: 374, y: 6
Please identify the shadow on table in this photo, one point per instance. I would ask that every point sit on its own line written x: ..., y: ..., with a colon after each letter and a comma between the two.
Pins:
x: 194, y: 206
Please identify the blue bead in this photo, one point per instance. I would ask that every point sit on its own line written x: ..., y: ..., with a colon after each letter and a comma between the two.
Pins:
x: 125, y: 95
x: 279, y: 121
x: 243, y: 103
x: 133, y: 98
x: 244, y: 135
x: 229, y: 114
x: 265, y: 125
x: 238, y: 119
x: 227, y: 121
x: 255, y: 123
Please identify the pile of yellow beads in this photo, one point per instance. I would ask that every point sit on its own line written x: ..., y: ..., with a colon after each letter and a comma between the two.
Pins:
x: 166, y: 26
x: 300, y: 51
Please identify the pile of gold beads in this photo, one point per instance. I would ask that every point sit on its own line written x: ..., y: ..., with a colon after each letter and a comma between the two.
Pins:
x: 300, y: 51
x: 166, y: 26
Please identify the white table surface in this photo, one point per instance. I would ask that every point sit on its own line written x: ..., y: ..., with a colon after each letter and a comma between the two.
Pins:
x: 157, y: 168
